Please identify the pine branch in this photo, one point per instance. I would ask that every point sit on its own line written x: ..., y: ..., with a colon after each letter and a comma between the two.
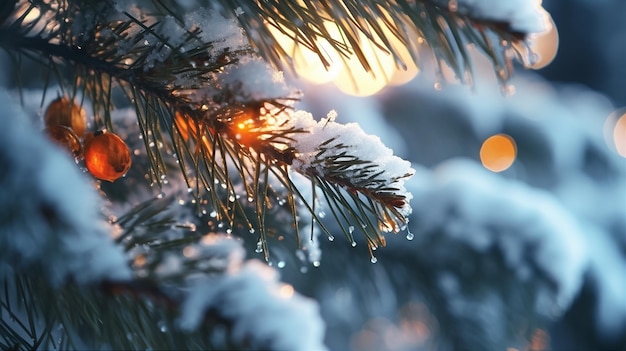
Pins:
x: 447, y: 27
x: 194, y: 101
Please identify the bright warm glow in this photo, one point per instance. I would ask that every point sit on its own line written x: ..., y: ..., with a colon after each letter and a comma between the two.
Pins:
x: 498, y: 152
x: 619, y: 135
x: 615, y: 131
x: 544, y: 46
x: 348, y: 73
x: 33, y: 13
x: 286, y: 291
x: 355, y: 80
x: 306, y: 62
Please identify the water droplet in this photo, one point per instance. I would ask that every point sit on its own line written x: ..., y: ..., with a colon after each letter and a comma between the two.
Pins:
x: 321, y: 214
x: 374, y: 259
x: 229, y: 231
x: 437, y: 86
x: 351, y: 229
x: 303, y: 270
x: 316, y: 263
x: 213, y: 214
x: 161, y: 195
x: 259, y: 247
x: 220, y: 225
x: 353, y: 244
x: 231, y: 198
x: 331, y: 238
x: 251, y: 230
x: 281, y: 264
x: 409, y: 236
x: 250, y: 199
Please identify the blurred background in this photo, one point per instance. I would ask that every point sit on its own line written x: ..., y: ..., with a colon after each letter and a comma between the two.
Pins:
x: 519, y: 209
x: 517, y: 240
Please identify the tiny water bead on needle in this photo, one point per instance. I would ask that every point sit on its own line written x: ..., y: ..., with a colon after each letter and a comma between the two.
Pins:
x: 107, y: 156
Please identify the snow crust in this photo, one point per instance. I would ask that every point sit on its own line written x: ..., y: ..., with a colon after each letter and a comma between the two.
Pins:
x: 332, y: 135
x: 265, y: 312
x: 50, y: 216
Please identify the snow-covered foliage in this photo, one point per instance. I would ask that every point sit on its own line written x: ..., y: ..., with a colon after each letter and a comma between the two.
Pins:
x: 348, y: 142
x: 266, y: 313
x: 49, y: 210
x: 254, y: 80
x: 535, y: 236
x: 524, y: 16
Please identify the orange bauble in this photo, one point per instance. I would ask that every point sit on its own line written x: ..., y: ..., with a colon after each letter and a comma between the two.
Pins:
x: 65, y: 112
x: 106, y: 156
x: 66, y: 138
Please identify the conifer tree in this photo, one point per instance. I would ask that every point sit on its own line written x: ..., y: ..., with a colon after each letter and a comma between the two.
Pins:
x: 157, y: 175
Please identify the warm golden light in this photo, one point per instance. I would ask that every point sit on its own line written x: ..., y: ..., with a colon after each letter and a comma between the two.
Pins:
x: 286, y: 291
x: 355, y: 80
x: 615, y: 131
x: 544, y: 46
x: 619, y: 135
x: 498, y: 152
x: 347, y: 71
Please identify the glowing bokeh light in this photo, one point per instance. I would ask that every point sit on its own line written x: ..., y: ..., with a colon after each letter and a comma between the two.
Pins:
x: 346, y: 70
x: 498, y: 152
x: 543, y: 46
x: 355, y: 80
x: 615, y: 131
x: 619, y: 135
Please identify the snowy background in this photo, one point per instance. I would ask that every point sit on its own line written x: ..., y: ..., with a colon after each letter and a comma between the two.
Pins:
x: 537, y: 251
x: 547, y: 235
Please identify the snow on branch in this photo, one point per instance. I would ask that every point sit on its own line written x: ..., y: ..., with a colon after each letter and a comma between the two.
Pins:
x: 462, y: 203
x: 521, y: 16
x: 266, y: 313
x: 346, y: 155
x: 50, y: 218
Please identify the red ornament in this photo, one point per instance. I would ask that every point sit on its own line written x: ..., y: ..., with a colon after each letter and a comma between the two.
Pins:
x: 107, y: 156
x: 65, y: 112
x: 66, y: 138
